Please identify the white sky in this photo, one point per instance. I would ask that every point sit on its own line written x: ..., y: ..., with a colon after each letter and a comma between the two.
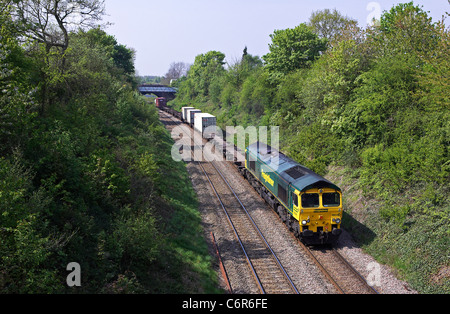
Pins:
x: 166, y: 31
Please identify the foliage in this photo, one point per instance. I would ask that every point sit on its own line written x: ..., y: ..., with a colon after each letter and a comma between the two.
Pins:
x: 205, y: 68
x: 329, y: 24
x: 122, y: 56
x: 393, y: 19
x: 375, y: 103
x: 24, y: 249
x: 292, y: 49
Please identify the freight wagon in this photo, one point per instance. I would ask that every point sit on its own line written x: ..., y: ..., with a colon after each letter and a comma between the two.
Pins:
x: 160, y: 102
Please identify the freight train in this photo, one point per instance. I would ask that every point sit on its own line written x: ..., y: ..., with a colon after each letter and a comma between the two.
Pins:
x: 307, y: 203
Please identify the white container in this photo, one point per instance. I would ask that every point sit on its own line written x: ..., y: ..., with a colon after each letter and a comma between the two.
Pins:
x: 205, y: 124
x: 190, y: 113
x: 183, y: 112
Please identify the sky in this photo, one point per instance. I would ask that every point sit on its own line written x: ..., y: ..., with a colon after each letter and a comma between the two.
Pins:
x: 166, y: 31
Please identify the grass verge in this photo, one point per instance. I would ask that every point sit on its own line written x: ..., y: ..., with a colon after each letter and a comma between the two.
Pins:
x: 184, y: 266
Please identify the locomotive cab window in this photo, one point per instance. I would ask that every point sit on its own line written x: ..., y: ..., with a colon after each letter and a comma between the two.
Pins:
x: 295, y: 199
x: 310, y: 200
x: 331, y: 199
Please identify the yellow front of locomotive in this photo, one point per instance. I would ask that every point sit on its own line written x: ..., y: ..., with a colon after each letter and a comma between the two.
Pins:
x: 320, y: 215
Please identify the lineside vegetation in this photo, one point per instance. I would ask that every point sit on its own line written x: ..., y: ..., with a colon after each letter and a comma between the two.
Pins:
x: 86, y: 174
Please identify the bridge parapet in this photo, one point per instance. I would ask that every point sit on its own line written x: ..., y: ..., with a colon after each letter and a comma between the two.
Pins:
x: 159, y: 90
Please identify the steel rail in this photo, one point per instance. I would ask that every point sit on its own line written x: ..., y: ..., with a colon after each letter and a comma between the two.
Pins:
x: 320, y: 266
x: 221, y: 265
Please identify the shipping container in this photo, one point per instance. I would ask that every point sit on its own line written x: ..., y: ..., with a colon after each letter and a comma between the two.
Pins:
x: 183, y: 113
x: 190, y: 115
x: 205, y: 123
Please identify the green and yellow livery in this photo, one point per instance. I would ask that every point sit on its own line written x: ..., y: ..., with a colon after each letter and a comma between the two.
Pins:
x: 308, y: 203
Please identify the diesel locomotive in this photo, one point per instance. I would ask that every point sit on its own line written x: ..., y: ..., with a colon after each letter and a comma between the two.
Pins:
x: 310, y: 205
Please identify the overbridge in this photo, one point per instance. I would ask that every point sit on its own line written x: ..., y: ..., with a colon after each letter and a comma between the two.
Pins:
x: 158, y: 90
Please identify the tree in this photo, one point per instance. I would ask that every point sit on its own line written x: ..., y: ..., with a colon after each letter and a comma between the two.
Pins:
x: 240, y: 69
x: 205, y: 68
x: 177, y: 70
x: 122, y: 56
x: 16, y: 108
x: 433, y: 77
x: 329, y: 24
x: 46, y: 25
x: 393, y: 19
x: 250, y: 62
x: 50, y: 21
x: 292, y: 49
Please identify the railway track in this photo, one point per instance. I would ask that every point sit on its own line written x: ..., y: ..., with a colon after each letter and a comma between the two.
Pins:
x: 344, y: 277
x: 264, y: 265
x: 266, y: 269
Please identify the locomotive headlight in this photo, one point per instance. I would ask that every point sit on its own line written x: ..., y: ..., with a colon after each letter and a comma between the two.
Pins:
x: 338, y: 221
x: 304, y: 222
